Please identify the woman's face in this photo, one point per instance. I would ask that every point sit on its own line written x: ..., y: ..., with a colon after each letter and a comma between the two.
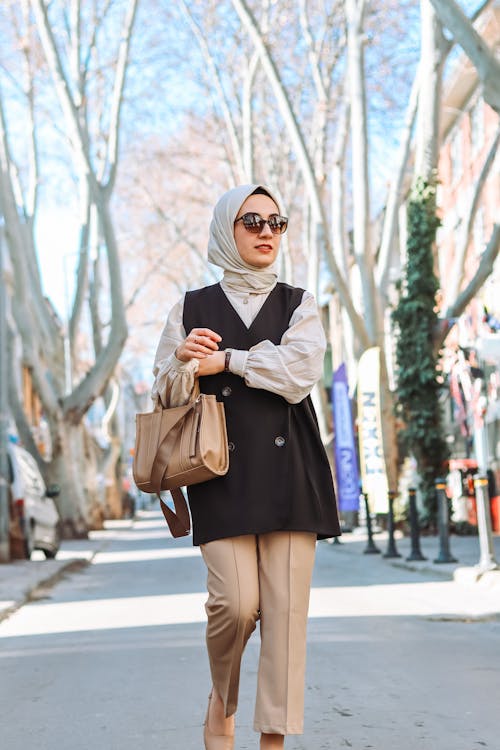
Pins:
x: 258, y: 250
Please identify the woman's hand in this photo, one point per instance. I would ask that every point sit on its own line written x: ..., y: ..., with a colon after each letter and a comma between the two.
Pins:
x: 212, y: 365
x: 200, y: 343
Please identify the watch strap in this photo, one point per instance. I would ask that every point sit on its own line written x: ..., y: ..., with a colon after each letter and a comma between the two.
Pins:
x: 227, y: 359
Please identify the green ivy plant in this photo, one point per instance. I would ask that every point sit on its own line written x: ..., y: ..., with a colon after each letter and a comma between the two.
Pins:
x: 417, y: 371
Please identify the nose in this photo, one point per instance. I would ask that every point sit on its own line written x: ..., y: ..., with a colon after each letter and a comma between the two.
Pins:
x: 266, y: 231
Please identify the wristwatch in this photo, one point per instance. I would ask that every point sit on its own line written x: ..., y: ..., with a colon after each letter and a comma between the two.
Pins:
x: 227, y: 358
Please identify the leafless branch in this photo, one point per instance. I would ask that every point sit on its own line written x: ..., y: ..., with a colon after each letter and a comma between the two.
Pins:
x: 484, y: 270
x: 457, y: 272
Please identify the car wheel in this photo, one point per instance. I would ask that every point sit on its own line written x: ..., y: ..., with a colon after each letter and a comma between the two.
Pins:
x: 51, y: 553
x: 29, y: 540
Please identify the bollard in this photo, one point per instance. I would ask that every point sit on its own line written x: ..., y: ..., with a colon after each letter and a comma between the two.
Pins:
x: 371, y: 548
x: 444, y: 555
x: 391, y: 544
x: 487, y: 559
x: 416, y: 552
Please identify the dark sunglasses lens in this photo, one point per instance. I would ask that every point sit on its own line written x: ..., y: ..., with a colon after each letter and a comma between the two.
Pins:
x: 277, y: 224
x: 255, y: 223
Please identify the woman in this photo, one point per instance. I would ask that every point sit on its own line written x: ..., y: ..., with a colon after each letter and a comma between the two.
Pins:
x: 258, y: 345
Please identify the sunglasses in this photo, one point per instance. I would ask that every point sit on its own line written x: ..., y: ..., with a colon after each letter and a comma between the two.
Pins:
x: 254, y: 223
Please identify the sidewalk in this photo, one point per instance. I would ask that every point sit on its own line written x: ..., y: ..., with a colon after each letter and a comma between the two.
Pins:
x: 26, y: 580
x: 465, y: 550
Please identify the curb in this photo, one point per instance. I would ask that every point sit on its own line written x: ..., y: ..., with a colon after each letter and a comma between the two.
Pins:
x: 487, y: 578
x: 40, y: 589
x: 463, y: 574
x: 426, y: 568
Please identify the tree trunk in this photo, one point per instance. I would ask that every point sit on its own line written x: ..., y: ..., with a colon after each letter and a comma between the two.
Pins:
x: 363, y: 250
x: 429, y: 101
x: 69, y: 469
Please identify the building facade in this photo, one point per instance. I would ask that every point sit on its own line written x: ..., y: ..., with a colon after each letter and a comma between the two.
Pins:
x: 471, y: 360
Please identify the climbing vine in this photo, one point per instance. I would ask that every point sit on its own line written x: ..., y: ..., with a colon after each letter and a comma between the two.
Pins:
x: 417, y: 370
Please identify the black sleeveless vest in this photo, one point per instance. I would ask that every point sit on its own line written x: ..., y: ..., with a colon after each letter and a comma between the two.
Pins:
x: 279, y: 477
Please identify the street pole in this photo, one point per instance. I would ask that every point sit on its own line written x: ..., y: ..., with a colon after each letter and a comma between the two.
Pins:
x: 444, y: 555
x: 4, y: 419
x: 416, y: 552
x: 391, y: 543
x: 487, y: 559
x: 371, y: 547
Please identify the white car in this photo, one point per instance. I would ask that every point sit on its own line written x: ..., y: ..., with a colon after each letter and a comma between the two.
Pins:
x: 33, y: 504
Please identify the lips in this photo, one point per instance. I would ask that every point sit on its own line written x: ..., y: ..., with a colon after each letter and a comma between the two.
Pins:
x: 266, y: 248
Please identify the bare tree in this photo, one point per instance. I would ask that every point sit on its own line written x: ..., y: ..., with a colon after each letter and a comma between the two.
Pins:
x: 94, y: 147
x: 332, y: 152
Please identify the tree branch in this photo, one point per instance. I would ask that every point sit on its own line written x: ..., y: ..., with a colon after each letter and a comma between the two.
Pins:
x: 77, y: 403
x: 482, y: 57
x: 312, y: 53
x: 484, y: 270
x: 362, y: 242
x: 339, y: 236
x: 111, y: 159
x: 298, y: 142
x: 82, y: 271
x: 20, y: 239
x: 247, y: 119
x: 394, y: 196
x: 183, y: 236
x: 216, y: 81
x: 458, y: 269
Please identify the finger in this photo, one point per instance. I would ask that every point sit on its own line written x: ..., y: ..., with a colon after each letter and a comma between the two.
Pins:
x: 207, y: 343
x: 201, y: 343
x: 197, y: 350
x: 206, y: 332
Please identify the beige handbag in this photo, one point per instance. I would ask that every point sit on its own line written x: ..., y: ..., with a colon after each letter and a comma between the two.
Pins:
x: 177, y: 447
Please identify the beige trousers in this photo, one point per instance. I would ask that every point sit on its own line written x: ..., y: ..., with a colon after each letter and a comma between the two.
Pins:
x: 266, y: 577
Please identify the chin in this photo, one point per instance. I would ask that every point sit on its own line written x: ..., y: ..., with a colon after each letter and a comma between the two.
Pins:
x: 264, y: 262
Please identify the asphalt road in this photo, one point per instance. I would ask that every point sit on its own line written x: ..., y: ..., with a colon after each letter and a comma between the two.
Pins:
x: 113, y: 658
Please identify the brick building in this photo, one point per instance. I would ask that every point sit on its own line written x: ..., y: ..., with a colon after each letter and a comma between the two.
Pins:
x: 468, y: 130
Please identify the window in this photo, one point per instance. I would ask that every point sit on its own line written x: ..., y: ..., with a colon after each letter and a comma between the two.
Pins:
x: 456, y: 155
x: 477, y: 126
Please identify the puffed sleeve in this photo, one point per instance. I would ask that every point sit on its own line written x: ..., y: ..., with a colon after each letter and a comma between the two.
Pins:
x: 174, y: 380
x: 292, y: 367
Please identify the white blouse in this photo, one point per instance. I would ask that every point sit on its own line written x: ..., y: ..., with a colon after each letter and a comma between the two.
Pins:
x: 290, y: 369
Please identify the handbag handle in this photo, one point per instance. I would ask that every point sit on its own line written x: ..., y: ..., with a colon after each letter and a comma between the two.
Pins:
x: 179, y: 522
x: 195, y: 393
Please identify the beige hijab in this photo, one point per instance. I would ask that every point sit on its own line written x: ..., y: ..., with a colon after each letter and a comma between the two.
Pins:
x: 222, y: 250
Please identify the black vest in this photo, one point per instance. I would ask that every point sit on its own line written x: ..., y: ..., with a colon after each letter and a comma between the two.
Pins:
x: 279, y: 477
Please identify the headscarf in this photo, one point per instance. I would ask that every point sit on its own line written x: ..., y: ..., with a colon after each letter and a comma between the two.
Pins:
x: 222, y: 250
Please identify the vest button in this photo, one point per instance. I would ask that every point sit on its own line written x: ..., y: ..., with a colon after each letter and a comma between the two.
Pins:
x: 279, y: 441
x: 227, y: 390
x: 231, y: 446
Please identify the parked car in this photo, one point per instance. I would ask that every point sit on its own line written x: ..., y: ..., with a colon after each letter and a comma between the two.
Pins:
x: 33, y: 510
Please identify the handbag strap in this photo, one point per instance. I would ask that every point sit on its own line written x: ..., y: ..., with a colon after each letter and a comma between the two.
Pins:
x: 160, y: 463
x: 179, y: 522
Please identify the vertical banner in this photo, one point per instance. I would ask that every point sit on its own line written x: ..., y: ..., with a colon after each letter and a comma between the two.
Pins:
x: 371, y: 446
x: 345, y: 448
